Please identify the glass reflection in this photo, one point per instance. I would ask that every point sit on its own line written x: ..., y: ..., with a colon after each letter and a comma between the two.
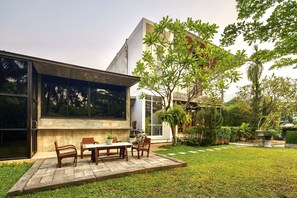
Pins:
x: 55, y: 98
x: 13, y: 76
x: 75, y: 98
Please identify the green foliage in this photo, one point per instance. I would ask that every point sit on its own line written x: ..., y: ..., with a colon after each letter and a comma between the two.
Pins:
x: 245, y: 130
x: 272, y: 132
x: 254, y: 74
x: 175, y: 115
x: 210, y: 120
x: 278, y: 99
x: 267, y: 21
x: 180, y: 54
x: 224, y: 133
x: 235, y: 133
x: 109, y: 136
x: 235, y: 112
x: 193, y: 136
x: 291, y: 137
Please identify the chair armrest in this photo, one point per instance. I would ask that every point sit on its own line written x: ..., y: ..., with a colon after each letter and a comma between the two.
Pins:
x: 96, y: 142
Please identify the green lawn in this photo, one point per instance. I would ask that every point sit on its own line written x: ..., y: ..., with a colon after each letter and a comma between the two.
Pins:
x: 235, y: 172
x: 10, y: 174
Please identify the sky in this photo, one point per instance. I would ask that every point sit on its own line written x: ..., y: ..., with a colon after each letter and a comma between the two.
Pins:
x: 89, y: 33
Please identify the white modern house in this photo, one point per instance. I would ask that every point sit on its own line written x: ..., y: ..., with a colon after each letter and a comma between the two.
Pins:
x: 142, y: 109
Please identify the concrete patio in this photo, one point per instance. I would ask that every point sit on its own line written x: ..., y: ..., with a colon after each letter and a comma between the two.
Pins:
x: 44, y: 174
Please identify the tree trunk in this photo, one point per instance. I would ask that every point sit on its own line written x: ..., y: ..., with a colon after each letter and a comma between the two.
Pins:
x: 173, y: 129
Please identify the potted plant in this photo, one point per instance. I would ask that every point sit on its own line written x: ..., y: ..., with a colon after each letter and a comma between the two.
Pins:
x: 243, y: 131
x: 268, y: 135
x: 109, y: 139
x: 132, y: 137
x: 264, y: 123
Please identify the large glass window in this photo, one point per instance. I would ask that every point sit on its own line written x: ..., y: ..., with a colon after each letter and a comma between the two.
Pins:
x: 77, y: 99
x: 54, y: 97
x: 74, y: 98
x: 13, y: 112
x: 14, y: 76
x: 153, y: 124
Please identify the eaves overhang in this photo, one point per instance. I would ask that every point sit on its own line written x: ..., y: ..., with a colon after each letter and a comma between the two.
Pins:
x: 54, y: 68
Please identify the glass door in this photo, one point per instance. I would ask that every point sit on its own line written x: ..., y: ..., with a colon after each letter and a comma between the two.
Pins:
x: 13, y: 108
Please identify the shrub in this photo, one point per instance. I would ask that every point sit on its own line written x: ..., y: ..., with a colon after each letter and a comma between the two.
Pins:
x: 224, y: 133
x: 291, y: 137
x: 235, y: 132
x: 274, y: 133
x: 193, y: 136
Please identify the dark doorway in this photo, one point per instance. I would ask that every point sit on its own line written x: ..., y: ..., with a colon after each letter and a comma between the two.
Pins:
x: 13, y: 108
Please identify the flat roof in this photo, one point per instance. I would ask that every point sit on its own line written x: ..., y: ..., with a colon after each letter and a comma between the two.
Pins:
x: 54, y: 68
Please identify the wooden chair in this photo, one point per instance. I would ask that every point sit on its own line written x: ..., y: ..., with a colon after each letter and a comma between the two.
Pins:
x: 89, y: 140
x: 142, y: 146
x: 64, y: 152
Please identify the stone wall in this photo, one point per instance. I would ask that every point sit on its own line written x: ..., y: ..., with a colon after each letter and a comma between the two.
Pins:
x: 46, y: 137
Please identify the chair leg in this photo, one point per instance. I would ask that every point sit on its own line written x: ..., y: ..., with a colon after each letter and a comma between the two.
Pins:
x: 81, y: 154
x: 138, y: 154
x: 75, y: 161
x: 132, y: 151
x: 59, y: 163
x: 142, y: 153
x: 148, y: 152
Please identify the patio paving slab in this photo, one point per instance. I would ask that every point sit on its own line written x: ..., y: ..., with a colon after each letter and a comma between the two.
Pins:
x: 44, y: 174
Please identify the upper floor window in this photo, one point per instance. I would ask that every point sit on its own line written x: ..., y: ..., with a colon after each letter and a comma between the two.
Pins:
x: 63, y: 97
x: 13, y: 76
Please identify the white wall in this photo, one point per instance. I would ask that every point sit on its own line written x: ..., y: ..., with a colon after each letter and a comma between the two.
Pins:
x: 134, y: 49
x: 119, y: 63
x: 136, y: 113
x: 135, y: 46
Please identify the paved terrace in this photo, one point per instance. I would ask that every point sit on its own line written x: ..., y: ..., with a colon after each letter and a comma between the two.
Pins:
x: 45, y: 175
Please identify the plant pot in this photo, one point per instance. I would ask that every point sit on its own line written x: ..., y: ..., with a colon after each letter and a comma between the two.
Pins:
x: 108, y: 141
x: 267, y: 137
x: 131, y: 140
x: 260, y: 133
x: 267, y: 141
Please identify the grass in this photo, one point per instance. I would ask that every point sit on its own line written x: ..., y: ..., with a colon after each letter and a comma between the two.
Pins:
x: 10, y: 174
x: 234, y: 172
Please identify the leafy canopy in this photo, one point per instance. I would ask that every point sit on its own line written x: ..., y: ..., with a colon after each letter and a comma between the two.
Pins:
x: 271, y: 21
x: 180, y: 54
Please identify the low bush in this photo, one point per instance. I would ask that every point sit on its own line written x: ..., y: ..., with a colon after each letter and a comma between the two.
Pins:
x: 224, y: 133
x: 235, y: 133
x: 291, y: 137
x: 193, y: 136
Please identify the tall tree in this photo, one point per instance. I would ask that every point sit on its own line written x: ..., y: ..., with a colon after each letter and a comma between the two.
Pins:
x: 180, y: 54
x: 271, y: 21
x: 254, y: 73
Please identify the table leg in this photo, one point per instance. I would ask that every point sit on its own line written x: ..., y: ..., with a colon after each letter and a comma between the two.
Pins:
x: 96, y: 156
x: 126, y: 152
x: 93, y: 155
